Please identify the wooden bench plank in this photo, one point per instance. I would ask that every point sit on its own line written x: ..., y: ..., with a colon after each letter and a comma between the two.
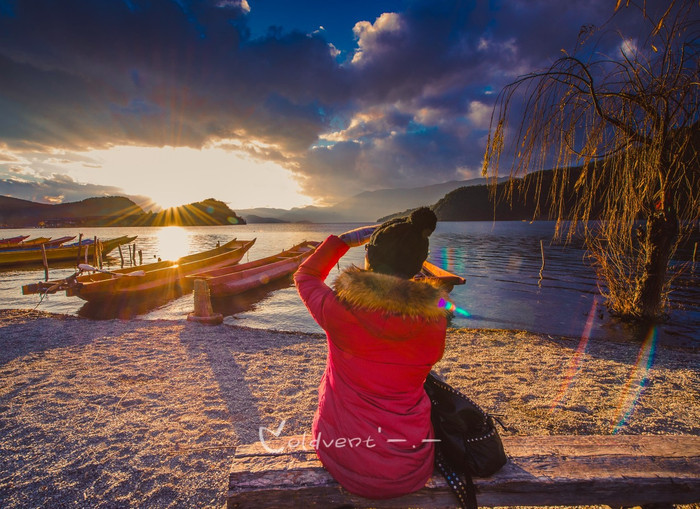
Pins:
x: 545, y: 470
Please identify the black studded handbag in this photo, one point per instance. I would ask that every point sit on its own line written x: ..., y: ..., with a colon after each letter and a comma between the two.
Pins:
x: 469, y: 444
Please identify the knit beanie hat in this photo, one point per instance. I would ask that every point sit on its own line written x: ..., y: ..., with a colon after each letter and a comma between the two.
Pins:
x: 400, y: 246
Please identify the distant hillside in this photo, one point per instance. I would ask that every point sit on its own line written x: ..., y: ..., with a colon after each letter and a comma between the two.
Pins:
x: 374, y: 204
x: 479, y: 203
x: 363, y: 207
x: 253, y: 219
x: 23, y: 213
x: 112, y: 211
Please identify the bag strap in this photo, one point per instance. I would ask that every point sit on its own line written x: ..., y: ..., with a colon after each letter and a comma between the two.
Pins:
x: 460, y: 484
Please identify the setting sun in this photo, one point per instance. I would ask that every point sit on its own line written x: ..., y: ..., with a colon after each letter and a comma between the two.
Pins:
x: 176, y: 176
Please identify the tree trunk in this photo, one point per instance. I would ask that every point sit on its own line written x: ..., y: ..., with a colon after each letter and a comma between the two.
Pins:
x: 661, y: 233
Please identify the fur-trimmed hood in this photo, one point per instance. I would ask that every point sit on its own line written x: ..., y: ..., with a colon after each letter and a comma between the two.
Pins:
x: 374, y: 291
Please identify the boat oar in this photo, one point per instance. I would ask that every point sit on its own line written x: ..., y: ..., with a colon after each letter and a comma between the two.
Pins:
x: 85, y: 266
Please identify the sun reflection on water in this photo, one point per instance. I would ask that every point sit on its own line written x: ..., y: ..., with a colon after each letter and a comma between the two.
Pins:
x: 173, y: 242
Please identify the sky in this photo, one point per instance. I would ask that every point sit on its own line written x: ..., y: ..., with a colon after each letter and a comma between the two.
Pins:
x: 263, y: 103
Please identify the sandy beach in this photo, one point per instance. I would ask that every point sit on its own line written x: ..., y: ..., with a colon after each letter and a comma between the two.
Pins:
x: 148, y: 413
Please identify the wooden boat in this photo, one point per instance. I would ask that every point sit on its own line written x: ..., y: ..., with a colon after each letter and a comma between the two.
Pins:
x: 47, y: 242
x: 24, y: 244
x: 247, y: 276
x: 240, y: 278
x: 446, y: 279
x: 33, y: 242
x: 11, y: 241
x: 62, y: 253
x: 83, y: 242
x: 157, y: 280
x: 59, y: 241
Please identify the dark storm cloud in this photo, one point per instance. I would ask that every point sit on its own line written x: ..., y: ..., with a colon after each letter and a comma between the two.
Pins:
x: 409, y: 105
x: 85, y: 74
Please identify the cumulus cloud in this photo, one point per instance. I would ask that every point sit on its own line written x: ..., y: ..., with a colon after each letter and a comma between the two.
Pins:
x: 480, y: 114
x: 411, y: 102
x: 7, y: 157
x: 374, y: 39
x: 242, y: 5
x: 629, y: 48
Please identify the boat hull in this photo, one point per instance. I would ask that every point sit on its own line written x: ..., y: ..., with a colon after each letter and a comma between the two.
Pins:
x: 160, y: 281
x: 248, y: 276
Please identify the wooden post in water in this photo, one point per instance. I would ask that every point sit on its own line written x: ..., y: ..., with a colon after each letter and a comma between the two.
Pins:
x: 80, y: 245
x: 539, y: 283
x: 121, y: 255
x: 46, y: 262
x: 140, y: 257
x: 96, y: 263
x: 542, y: 251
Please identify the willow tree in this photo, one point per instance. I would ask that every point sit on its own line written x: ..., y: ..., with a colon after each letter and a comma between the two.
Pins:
x: 628, y: 123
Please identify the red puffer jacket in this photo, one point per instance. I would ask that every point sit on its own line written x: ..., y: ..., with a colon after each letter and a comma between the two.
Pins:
x: 372, y: 429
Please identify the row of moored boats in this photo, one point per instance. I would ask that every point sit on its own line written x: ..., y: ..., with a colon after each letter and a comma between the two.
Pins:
x: 20, y: 251
x: 219, y: 266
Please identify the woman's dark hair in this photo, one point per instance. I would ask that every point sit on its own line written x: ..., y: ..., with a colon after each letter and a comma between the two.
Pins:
x: 400, y: 246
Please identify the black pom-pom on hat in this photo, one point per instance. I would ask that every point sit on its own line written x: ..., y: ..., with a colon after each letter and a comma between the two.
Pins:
x: 400, y: 246
x: 424, y: 219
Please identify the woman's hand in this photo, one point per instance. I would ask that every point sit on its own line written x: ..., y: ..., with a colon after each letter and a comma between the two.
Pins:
x: 358, y: 236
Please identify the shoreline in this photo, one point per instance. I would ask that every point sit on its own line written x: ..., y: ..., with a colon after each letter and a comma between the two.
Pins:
x: 149, y: 412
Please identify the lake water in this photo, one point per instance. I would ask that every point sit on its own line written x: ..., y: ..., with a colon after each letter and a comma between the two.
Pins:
x: 501, y: 262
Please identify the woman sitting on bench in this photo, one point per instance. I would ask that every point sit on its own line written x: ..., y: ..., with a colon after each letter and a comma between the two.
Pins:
x: 372, y: 429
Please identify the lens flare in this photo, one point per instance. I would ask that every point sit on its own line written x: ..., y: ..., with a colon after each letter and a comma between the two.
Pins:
x: 637, y: 381
x: 451, y: 307
x: 446, y: 257
x: 575, y: 362
x: 450, y: 259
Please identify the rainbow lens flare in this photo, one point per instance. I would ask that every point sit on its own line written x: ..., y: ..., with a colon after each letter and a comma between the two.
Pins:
x: 575, y: 362
x: 450, y: 306
x: 636, y: 382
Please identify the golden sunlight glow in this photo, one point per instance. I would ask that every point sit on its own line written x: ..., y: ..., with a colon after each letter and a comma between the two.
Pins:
x: 172, y: 243
x: 178, y: 176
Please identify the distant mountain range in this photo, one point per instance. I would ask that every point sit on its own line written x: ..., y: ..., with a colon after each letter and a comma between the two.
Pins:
x: 363, y: 207
x: 112, y: 211
x: 468, y: 200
